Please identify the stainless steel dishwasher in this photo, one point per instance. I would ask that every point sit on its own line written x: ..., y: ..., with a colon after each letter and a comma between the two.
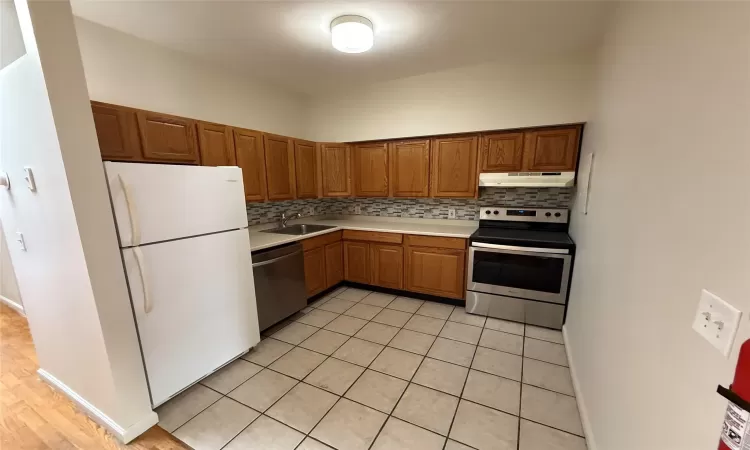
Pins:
x: 279, y: 274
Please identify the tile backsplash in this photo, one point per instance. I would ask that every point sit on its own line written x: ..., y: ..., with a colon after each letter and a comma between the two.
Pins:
x: 426, y: 208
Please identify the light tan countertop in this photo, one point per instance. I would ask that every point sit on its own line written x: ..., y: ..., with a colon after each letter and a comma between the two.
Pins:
x: 426, y: 227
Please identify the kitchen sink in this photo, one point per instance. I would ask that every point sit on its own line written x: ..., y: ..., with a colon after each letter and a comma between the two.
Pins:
x: 298, y: 230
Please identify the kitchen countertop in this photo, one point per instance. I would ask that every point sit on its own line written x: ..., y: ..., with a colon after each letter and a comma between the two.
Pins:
x: 426, y: 227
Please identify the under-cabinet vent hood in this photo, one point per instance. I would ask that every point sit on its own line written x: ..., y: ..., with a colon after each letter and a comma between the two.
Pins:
x: 527, y: 179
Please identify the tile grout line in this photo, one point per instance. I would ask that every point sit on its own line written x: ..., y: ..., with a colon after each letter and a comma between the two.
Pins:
x: 366, y: 368
x: 463, y: 388
x: 520, y: 392
x: 364, y: 371
x: 409, y: 383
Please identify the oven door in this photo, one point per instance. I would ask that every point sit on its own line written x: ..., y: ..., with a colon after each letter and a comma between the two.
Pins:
x: 532, y: 273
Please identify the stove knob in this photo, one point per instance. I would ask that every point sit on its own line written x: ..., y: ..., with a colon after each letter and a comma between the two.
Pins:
x: 488, y: 212
x: 548, y: 214
x: 557, y: 214
x: 496, y: 212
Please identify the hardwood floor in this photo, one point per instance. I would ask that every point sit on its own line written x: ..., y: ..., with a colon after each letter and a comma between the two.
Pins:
x: 34, y: 416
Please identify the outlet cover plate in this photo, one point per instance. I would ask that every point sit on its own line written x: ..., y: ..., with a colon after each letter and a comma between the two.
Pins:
x: 712, y: 309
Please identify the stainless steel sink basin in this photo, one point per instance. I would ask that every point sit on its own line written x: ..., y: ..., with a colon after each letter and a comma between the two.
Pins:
x: 298, y: 230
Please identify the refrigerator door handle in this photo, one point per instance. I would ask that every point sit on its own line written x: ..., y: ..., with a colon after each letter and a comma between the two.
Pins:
x: 132, y: 213
x: 147, y: 305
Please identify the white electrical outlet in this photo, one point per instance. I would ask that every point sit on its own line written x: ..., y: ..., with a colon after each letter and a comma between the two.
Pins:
x: 717, y: 321
x: 451, y: 213
x: 357, y: 209
x: 311, y: 211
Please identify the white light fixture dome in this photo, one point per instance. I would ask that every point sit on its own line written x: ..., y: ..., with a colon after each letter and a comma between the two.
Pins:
x: 351, y: 34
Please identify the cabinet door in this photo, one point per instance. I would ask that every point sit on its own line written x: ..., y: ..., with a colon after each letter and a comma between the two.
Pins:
x: 335, y: 170
x: 168, y: 138
x: 552, y: 149
x: 315, y: 271
x: 305, y: 162
x: 216, y: 144
x: 279, y: 167
x: 334, y: 263
x: 501, y: 152
x: 250, y: 156
x: 387, y: 266
x: 117, y: 131
x: 371, y: 170
x: 356, y: 262
x: 409, y: 168
x: 454, y: 167
x: 436, y: 271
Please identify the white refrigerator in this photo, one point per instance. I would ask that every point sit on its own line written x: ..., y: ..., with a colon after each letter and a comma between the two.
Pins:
x: 186, y: 252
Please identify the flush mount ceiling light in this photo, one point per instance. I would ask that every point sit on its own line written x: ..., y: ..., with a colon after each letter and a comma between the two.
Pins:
x: 351, y: 34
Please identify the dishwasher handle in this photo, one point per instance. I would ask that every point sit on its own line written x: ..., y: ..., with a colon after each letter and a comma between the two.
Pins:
x: 271, y: 261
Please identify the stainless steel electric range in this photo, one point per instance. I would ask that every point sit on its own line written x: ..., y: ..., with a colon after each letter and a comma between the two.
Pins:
x: 520, y: 265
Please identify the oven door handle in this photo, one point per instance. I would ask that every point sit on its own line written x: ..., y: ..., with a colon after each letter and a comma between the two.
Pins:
x: 514, y: 248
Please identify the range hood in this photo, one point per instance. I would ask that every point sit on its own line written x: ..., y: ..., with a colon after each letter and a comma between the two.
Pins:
x: 527, y: 179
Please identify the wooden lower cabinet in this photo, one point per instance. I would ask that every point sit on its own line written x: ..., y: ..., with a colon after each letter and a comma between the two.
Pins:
x: 315, y: 271
x: 357, y: 262
x: 387, y: 266
x: 436, y: 271
x: 334, y: 254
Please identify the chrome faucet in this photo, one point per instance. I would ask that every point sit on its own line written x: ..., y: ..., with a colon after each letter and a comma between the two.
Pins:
x: 285, y: 219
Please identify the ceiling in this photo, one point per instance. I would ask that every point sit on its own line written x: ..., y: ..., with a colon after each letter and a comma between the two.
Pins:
x: 288, y: 43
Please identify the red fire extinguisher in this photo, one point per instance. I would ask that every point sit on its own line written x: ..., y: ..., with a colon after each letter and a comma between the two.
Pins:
x: 735, y: 434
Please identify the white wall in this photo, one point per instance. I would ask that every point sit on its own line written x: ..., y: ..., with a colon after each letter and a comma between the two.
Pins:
x: 125, y: 70
x: 9, y: 292
x: 483, y: 97
x: 668, y: 216
x: 11, y: 41
x: 71, y: 276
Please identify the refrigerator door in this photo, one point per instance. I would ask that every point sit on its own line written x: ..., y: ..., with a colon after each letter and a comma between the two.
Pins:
x: 194, y: 304
x: 159, y: 202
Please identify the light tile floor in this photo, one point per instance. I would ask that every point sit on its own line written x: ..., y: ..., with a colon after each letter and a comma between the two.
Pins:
x: 359, y: 370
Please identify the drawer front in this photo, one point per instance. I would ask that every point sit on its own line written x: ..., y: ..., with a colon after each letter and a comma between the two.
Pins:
x: 435, y: 241
x: 320, y: 241
x: 373, y: 236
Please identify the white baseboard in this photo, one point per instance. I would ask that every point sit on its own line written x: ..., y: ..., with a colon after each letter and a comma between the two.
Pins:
x: 122, y: 434
x: 17, y: 306
x: 587, y: 430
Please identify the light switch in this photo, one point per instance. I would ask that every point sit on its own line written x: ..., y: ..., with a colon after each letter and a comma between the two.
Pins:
x: 29, y: 177
x: 21, y: 241
x: 717, y: 321
x: 451, y: 213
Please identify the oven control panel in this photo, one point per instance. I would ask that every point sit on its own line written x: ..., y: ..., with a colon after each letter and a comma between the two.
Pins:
x: 524, y: 214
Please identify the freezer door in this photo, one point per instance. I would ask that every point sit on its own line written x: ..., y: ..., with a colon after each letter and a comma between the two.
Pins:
x: 194, y: 304
x: 159, y: 202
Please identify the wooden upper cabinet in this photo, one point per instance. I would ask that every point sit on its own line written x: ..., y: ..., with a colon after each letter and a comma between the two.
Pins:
x: 409, y: 168
x: 371, y: 170
x: 357, y: 262
x: 454, y: 167
x: 387, y: 266
x: 501, y: 152
x: 305, y: 162
x: 248, y: 147
x: 334, y: 263
x: 216, y: 144
x: 436, y: 271
x: 552, y: 149
x: 117, y: 131
x: 168, y: 138
x: 315, y: 271
x: 280, y: 179
x: 335, y: 170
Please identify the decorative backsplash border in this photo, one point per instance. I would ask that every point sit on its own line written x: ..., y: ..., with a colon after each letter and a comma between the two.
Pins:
x: 423, y: 208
